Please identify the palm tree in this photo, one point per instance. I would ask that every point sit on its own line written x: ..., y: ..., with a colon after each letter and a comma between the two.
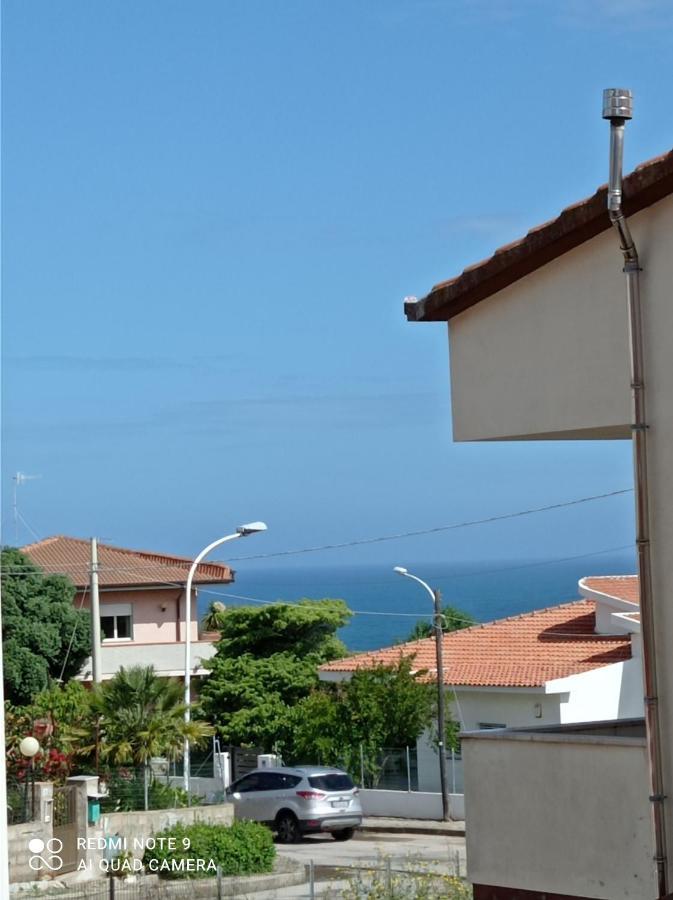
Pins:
x: 140, y: 715
x: 214, y: 617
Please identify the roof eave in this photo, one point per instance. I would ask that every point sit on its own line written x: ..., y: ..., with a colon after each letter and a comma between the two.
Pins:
x: 578, y: 223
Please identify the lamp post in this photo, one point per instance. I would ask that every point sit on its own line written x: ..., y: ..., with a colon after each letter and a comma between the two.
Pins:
x: 241, y: 531
x: 29, y: 748
x: 441, y: 709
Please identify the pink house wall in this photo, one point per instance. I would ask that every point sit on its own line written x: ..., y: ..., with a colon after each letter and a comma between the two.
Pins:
x: 157, y: 614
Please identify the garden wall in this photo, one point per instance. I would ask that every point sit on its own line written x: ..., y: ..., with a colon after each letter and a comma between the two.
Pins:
x: 141, y: 825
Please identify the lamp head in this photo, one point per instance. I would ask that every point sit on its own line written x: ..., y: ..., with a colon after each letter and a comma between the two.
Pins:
x: 29, y: 747
x: 251, y: 528
x: 400, y: 570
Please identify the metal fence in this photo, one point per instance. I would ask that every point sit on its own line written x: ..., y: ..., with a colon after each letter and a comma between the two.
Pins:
x: 379, y: 878
x: 20, y: 801
x: 397, y: 769
x: 393, y: 769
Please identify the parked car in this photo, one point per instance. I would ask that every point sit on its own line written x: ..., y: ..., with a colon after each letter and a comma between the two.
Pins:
x: 296, y: 801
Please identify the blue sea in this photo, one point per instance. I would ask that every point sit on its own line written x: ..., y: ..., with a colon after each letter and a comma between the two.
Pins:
x: 487, y: 590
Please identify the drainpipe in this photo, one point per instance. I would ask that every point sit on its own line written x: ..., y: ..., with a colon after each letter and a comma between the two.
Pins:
x: 618, y: 108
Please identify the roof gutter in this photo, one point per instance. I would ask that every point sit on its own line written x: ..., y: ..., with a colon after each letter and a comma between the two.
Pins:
x: 618, y: 109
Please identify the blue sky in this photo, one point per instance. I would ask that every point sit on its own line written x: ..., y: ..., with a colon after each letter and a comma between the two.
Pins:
x: 211, y: 214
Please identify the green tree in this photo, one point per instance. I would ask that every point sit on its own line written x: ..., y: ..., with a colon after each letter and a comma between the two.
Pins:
x: 266, y: 662
x: 345, y: 723
x: 453, y: 619
x: 306, y: 627
x: 44, y: 636
x: 138, y: 715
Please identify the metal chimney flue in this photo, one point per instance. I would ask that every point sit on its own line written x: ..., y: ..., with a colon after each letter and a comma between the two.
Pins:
x: 618, y: 109
x: 617, y: 103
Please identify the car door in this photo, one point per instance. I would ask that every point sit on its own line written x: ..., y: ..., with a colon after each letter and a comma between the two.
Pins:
x: 246, y: 793
x: 276, y: 793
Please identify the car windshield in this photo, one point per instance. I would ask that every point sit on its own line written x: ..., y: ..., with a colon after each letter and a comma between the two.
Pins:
x: 332, y: 781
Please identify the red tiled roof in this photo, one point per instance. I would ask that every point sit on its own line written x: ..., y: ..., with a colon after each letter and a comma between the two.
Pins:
x: 522, y: 651
x: 621, y: 587
x: 647, y: 184
x: 118, y: 566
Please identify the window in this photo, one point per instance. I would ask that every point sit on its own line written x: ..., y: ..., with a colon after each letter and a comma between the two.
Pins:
x: 487, y: 726
x: 116, y: 622
x: 279, y: 781
x: 247, y: 784
x: 332, y: 781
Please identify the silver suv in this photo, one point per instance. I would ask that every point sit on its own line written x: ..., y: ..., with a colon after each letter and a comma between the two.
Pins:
x: 296, y: 801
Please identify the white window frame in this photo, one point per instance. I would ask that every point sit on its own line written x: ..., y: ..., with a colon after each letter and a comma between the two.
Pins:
x: 115, y: 611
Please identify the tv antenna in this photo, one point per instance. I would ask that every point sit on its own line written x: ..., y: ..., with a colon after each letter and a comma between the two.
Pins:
x: 19, y: 478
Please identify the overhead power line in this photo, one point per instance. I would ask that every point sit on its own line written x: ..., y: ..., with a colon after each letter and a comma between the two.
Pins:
x: 383, y: 538
x: 437, y: 529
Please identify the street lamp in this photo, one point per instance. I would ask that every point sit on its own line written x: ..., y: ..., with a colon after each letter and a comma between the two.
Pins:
x: 29, y: 748
x: 441, y: 711
x: 241, y: 531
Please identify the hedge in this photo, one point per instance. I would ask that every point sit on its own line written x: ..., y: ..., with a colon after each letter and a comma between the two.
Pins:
x: 243, y: 848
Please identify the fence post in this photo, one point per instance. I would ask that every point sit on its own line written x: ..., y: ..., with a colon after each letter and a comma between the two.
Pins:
x: 112, y: 887
x: 453, y: 771
x: 219, y: 883
x: 311, y: 879
x: 362, y: 766
x: 408, y: 770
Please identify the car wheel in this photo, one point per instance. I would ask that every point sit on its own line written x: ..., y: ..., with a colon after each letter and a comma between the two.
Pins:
x: 344, y: 834
x: 287, y: 828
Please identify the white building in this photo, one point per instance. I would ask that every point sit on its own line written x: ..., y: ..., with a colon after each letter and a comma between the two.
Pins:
x: 575, y: 662
x: 540, y: 349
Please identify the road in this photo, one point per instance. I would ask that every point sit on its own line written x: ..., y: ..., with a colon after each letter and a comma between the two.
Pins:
x: 439, y: 852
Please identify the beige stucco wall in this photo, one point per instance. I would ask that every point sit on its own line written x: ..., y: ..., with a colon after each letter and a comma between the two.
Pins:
x: 534, y: 824
x: 548, y: 355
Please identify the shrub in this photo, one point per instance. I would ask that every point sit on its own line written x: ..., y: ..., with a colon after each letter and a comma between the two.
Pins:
x: 165, y: 796
x: 126, y: 793
x: 413, y: 879
x: 244, y: 848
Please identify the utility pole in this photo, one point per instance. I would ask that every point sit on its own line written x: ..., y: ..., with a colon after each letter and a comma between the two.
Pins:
x: 4, y: 840
x: 95, y: 615
x: 441, y: 705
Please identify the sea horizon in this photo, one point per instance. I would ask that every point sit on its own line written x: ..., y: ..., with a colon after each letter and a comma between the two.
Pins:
x: 386, y: 607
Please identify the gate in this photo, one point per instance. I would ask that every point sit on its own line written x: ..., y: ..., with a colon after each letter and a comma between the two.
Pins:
x: 65, y: 825
x: 243, y: 760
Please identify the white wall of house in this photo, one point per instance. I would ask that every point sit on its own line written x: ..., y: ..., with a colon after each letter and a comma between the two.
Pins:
x: 478, y: 708
x: 548, y: 357
x: 167, y: 659
x: 611, y: 692
x: 559, y: 813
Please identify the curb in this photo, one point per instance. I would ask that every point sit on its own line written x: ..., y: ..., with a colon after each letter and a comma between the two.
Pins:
x: 452, y: 830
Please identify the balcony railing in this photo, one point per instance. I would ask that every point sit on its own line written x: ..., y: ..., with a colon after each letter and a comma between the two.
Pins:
x: 167, y: 658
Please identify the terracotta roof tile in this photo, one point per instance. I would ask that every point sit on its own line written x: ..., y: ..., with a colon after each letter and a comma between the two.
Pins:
x: 118, y: 566
x: 621, y: 587
x: 577, y: 223
x: 521, y: 651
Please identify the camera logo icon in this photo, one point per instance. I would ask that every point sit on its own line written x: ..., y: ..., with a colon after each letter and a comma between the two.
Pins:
x: 51, y: 861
